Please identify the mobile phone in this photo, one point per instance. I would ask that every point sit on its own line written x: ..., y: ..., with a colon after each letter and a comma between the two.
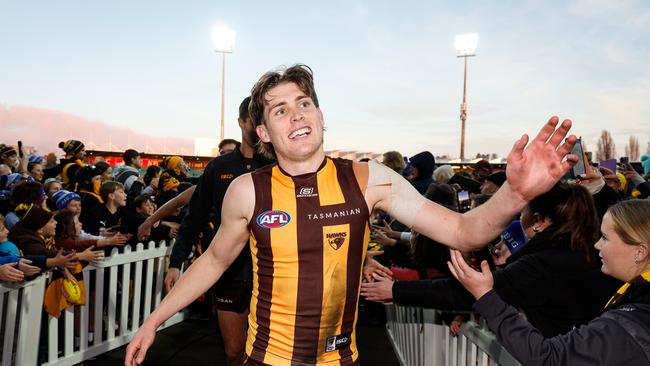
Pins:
x: 20, y: 149
x: 624, y: 161
x: 464, y: 202
x: 118, y: 228
x: 609, y: 164
x: 580, y: 168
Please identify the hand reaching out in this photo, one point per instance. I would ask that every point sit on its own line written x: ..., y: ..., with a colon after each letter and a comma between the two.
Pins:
x: 9, y: 273
x: 372, y: 266
x: 25, y: 266
x: 477, y: 283
x: 91, y: 256
x: 534, y: 169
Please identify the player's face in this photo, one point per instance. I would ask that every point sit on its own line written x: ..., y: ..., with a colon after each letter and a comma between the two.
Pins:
x: 293, y: 124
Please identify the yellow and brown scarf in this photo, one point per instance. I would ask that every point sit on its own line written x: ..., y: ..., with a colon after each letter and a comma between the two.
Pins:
x: 618, y: 296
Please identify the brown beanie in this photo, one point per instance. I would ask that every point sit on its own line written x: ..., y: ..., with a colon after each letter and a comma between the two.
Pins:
x: 32, y: 217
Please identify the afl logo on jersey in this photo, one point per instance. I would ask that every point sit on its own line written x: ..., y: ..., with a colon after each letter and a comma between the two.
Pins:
x: 273, y: 219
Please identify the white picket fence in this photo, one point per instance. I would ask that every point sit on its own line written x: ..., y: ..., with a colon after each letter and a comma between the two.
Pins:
x: 120, y: 293
x: 420, y: 338
x: 20, y: 316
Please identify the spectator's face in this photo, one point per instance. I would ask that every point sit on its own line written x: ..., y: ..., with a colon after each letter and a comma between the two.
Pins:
x: 137, y: 162
x: 3, y: 233
x: 74, y: 206
x: 49, y: 228
x: 81, y: 154
x: 77, y: 226
x: 107, y: 175
x: 37, y: 172
x: 146, y: 208
x: 53, y: 188
x: 118, y: 197
x: 12, y: 160
x: 618, y: 258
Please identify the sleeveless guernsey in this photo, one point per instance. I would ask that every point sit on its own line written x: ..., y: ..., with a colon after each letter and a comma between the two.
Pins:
x: 308, y: 242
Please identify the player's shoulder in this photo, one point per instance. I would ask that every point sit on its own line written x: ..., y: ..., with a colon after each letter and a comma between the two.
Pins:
x: 242, y: 185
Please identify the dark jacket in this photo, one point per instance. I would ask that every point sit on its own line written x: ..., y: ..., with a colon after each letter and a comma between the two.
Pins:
x: 68, y: 177
x: 100, y: 217
x: 205, y: 205
x: 620, y: 336
x: 555, y: 287
x: 29, y: 242
x: 426, y: 163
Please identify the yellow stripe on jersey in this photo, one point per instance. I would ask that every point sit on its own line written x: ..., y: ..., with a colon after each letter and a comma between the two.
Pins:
x: 329, y: 188
x: 336, y: 243
x: 252, y: 315
x: 284, y: 245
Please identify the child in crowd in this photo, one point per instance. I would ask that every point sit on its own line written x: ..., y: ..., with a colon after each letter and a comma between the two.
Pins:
x: 27, y: 192
x: 13, y: 268
x: 108, y: 216
x: 143, y: 207
x: 68, y: 231
x: 34, y: 236
x: 52, y: 185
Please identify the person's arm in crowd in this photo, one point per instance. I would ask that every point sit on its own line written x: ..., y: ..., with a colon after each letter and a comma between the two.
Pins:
x: 227, y: 244
x: 440, y: 294
x: 164, y: 211
x: 196, y: 219
x: 39, y: 261
x: 639, y: 183
x: 516, y: 283
x: 61, y: 260
x: 8, y: 259
x: 593, y: 344
x: 52, y: 172
x: 532, y: 169
x: 188, y: 232
x: 87, y: 236
x: 601, y: 342
x: 81, y: 245
x: 9, y: 273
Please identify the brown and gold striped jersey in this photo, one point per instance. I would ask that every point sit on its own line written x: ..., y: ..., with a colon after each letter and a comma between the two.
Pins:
x: 308, y: 236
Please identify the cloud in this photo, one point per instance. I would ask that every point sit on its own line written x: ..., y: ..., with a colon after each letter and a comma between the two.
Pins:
x: 624, y: 13
x: 43, y: 129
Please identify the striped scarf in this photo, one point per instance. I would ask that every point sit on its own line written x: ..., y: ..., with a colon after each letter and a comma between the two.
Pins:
x: 643, y: 277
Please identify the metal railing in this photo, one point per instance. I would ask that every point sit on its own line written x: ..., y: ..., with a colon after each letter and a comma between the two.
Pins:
x: 420, y: 338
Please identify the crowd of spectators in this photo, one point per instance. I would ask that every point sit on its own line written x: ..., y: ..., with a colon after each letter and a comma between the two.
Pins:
x: 62, y: 215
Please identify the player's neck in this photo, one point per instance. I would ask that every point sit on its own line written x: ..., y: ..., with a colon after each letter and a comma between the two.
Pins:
x: 302, y: 166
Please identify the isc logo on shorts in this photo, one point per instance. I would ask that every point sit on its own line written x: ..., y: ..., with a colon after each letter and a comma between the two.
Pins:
x: 273, y: 219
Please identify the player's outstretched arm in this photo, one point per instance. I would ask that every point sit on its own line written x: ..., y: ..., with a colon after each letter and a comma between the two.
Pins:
x: 225, y: 247
x: 532, y: 170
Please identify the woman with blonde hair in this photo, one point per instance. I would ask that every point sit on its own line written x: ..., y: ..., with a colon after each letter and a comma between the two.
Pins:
x: 619, y: 336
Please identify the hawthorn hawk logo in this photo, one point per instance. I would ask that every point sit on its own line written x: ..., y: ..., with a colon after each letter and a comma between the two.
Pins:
x: 336, y: 240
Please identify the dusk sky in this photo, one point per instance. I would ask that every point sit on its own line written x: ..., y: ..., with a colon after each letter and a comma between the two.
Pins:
x: 385, y: 71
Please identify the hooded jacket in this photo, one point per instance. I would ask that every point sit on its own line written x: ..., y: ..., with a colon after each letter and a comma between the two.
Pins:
x: 426, y: 163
